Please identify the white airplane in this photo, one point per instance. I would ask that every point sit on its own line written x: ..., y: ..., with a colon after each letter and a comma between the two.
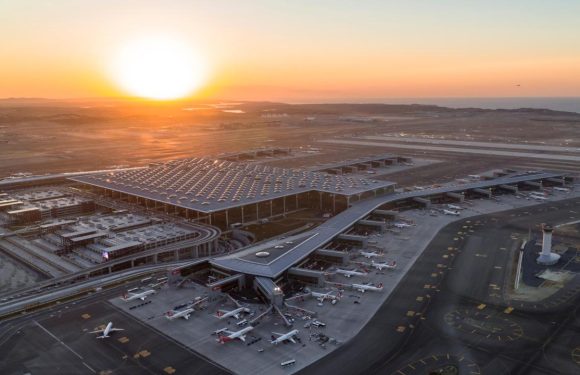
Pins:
x: 390, y: 266
x: 105, y: 331
x: 539, y: 197
x: 565, y: 190
x: 185, y: 314
x: 370, y: 254
x: 349, y: 273
x: 321, y: 297
x: 402, y: 225
x: 130, y: 296
x: 284, y: 337
x: 451, y: 212
x: 364, y: 287
x: 474, y: 176
x: 222, y: 314
x: 225, y: 335
x: 454, y: 207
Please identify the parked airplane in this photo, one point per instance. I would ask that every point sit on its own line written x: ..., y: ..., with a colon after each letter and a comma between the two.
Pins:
x: 225, y: 335
x: 222, y: 314
x: 402, y: 225
x: 185, y: 314
x: 105, y: 331
x: 370, y: 254
x: 451, y: 212
x: 390, y: 266
x: 130, y: 296
x: 284, y: 337
x: 364, y: 287
x: 349, y: 273
x: 454, y: 207
x: 539, y: 197
x: 321, y: 297
x: 565, y: 190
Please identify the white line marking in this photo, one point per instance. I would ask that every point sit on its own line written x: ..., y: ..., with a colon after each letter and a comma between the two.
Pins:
x: 63, y: 344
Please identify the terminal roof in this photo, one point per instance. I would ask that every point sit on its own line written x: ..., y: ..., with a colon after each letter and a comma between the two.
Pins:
x: 212, y: 185
x: 306, y: 243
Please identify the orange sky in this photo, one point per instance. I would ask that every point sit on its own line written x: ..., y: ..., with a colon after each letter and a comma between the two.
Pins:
x: 301, y: 50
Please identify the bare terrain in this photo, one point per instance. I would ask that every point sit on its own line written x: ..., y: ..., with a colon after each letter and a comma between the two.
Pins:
x: 40, y: 136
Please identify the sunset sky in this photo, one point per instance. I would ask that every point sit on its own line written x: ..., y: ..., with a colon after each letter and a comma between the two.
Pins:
x: 301, y: 50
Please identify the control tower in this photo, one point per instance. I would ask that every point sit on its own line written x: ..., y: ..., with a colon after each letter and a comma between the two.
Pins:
x: 547, y: 258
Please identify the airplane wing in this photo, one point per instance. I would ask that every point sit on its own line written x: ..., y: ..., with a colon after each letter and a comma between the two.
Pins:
x: 98, y: 331
x: 292, y: 340
x: 116, y: 329
x: 243, y: 338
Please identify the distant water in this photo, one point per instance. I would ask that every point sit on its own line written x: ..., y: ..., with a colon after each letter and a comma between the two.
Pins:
x: 557, y: 104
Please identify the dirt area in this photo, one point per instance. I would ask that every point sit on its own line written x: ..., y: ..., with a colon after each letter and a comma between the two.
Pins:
x: 49, y: 136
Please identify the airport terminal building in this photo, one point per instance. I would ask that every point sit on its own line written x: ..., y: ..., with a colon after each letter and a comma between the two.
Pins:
x: 222, y: 193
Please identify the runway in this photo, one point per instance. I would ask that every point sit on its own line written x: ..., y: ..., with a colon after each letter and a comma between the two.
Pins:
x: 450, y: 310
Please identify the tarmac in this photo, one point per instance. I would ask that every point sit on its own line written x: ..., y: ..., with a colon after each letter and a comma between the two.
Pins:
x: 451, y: 310
x: 60, y: 343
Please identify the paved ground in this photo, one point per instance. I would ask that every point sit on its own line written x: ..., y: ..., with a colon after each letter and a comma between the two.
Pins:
x: 60, y: 344
x: 449, y: 310
x: 14, y: 275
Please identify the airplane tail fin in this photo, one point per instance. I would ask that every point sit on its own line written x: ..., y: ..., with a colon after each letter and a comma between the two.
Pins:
x: 223, y: 339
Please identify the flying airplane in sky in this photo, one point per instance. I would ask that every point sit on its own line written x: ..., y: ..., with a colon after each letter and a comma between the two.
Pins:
x: 225, y: 335
x: 130, y: 296
x: 105, y: 331
x: 364, y: 287
x: 388, y: 265
x: 451, y: 212
x: 284, y: 337
x: 369, y: 254
x: 349, y: 273
x: 222, y: 314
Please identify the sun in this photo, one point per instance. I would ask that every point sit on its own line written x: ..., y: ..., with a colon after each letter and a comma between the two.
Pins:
x: 158, y: 68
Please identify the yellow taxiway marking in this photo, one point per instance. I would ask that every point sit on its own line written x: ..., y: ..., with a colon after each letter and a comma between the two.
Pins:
x: 419, y: 299
x: 410, y: 313
x: 427, y: 286
x: 481, y: 307
x: 508, y: 310
x: 86, y: 316
x: 445, y: 256
x: 434, y: 275
x: 450, y: 248
x: 401, y: 328
x: 169, y: 370
x: 123, y: 340
x: 481, y: 255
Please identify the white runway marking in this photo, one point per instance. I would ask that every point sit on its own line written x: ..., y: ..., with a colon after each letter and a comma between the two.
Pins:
x: 63, y: 344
